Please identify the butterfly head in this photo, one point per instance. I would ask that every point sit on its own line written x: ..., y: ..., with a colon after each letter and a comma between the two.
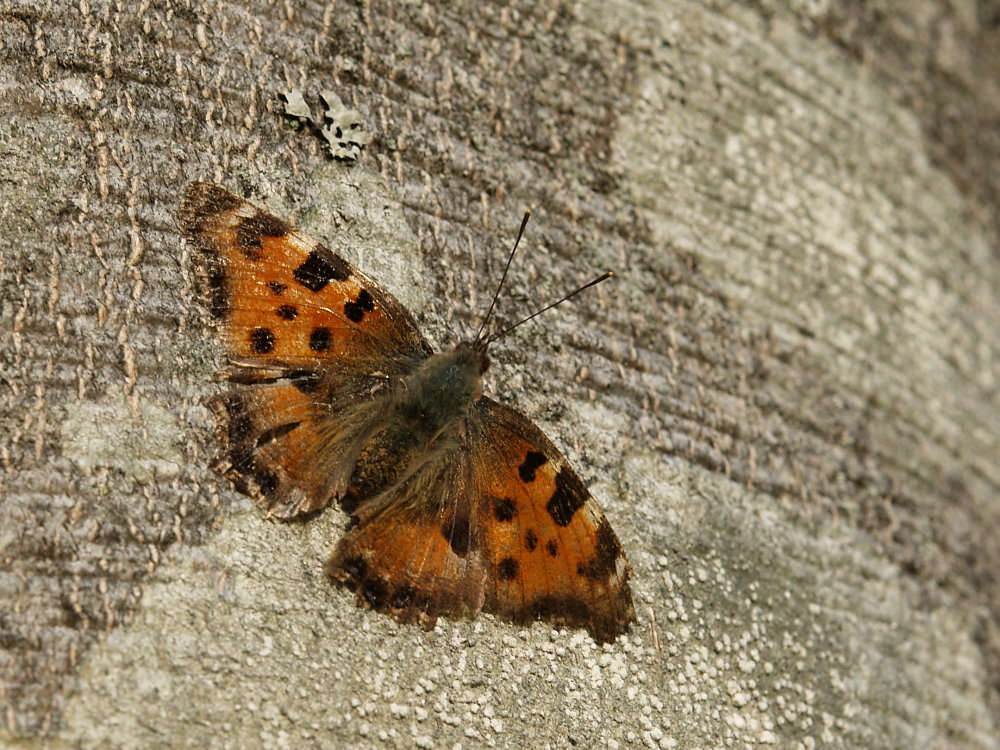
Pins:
x: 477, y: 350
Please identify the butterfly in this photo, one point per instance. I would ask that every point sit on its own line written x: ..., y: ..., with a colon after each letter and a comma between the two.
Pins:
x: 457, y: 504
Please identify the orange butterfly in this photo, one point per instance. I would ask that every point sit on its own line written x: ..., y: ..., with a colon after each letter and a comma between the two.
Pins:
x: 458, y: 503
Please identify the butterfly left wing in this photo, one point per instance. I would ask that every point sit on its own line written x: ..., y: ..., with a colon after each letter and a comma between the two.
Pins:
x: 499, y: 523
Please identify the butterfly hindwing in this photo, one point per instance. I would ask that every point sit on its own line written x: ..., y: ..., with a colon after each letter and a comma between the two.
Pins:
x: 414, y: 552
x: 550, y: 551
x: 315, y: 339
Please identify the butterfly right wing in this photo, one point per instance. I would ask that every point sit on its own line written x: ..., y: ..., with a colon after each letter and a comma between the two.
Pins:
x: 315, y: 341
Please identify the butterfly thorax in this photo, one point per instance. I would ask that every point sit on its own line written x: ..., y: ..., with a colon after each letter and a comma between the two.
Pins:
x: 442, y: 388
x: 420, y: 419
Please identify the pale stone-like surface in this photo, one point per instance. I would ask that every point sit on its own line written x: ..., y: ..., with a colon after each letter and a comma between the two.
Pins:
x: 768, y: 634
x: 144, y: 443
x: 786, y: 402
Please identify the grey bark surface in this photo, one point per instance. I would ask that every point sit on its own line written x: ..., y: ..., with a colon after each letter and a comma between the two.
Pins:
x: 787, y: 403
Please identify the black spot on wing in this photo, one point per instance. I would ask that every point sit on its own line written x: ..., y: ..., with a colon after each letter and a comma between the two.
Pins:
x: 458, y: 534
x: 530, y: 540
x: 532, y: 462
x: 356, y: 310
x: 507, y: 569
x: 320, y: 339
x: 267, y: 481
x: 357, y: 576
x: 375, y: 592
x: 349, y: 503
x: 552, y: 547
x: 240, y: 469
x: 504, y: 509
x: 567, y: 610
x: 202, y: 205
x: 407, y: 597
x: 354, y: 567
x: 320, y: 268
x: 277, y: 287
x: 306, y: 382
x: 238, y: 426
x: 287, y: 312
x: 262, y: 340
x: 215, y: 288
x: 603, y: 563
x: 252, y: 229
x: 569, y: 496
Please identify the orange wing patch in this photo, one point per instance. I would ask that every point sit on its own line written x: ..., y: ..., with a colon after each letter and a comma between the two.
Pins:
x: 550, y: 552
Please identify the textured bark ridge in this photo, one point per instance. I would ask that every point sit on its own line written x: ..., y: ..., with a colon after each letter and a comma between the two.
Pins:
x: 786, y: 404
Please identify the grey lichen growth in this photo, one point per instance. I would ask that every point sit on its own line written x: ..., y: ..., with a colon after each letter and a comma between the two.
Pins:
x: 340, y: 127
x: 295, y: 105
x: 343, y: 129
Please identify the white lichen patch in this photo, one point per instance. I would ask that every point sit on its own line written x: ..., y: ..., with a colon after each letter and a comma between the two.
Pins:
x: 341, y: 127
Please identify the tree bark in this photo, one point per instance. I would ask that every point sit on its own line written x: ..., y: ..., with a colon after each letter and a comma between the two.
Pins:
x: 786, y: 403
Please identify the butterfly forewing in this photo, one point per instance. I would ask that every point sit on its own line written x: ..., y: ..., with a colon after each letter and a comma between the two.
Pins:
x: 283, y: 298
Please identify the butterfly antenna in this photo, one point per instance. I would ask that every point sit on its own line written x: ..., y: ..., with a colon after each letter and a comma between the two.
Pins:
x: 505, y: 331
x: 496, y: 294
